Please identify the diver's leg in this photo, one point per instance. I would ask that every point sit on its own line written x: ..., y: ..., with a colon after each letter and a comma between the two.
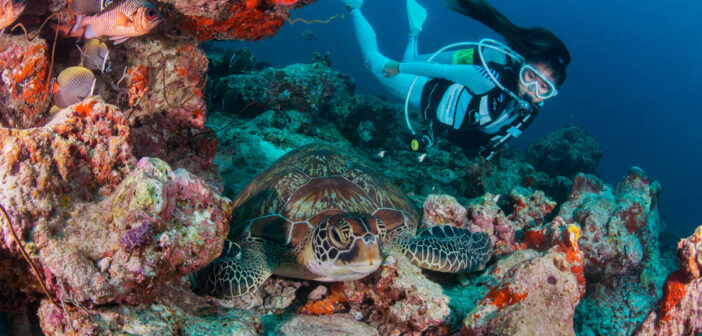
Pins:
x: 411, y: 50
x: 397, y: 85
x: 416, y: 15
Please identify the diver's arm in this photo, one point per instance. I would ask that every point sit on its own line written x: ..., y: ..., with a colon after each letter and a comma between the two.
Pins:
x: 467, y: 75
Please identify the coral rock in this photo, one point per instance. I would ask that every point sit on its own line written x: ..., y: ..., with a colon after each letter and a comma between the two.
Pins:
x: 335, y: 325
x: 536, y: 295
x: 484, y: 215
x: 158, y: 225
x: 302, y: 87
x: 610, y: 221
x: 443, y: 209
x: 178, y: 312
x: 679, y: 310
x: 100, y: 234
x: 530, y: 207
x: 565, y: 152
x: 402, y: 300
x: 24, y: 93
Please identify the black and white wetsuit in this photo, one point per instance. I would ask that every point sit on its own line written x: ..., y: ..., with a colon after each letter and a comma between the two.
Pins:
x: 475, y: 112
x: 454, y: 92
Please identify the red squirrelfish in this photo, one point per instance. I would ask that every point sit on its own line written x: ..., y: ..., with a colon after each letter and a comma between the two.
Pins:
x: 120, y: 20
x: 10, y: 10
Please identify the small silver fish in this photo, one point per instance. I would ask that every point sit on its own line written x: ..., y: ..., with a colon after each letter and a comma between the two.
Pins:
x: 381, y: 154
x: 96, y: 56
x: 308, y: 34
x: 422, y: 157
x: 10, y: 10
x: 73, y: 85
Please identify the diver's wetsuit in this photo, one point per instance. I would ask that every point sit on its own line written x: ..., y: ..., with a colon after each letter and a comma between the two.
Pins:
x: 477, y: 119
x: 460, y: 96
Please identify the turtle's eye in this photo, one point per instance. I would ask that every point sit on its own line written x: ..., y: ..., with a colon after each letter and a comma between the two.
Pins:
x: 337, y: 237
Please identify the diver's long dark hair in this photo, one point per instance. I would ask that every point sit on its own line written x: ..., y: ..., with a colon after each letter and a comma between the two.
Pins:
x: 536, y: 44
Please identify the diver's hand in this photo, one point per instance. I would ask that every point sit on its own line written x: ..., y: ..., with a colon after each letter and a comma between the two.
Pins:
x: 391, y: 69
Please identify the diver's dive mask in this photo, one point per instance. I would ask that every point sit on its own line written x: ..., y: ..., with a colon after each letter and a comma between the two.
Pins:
x: 536, y: 82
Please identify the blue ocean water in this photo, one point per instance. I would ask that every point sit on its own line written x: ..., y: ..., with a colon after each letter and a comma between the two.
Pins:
x: 632, y: 82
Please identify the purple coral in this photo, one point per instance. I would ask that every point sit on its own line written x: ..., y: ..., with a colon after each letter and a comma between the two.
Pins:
x: 138, y: 236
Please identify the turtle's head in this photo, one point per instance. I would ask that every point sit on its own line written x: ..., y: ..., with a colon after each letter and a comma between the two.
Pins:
x: 348, y: 246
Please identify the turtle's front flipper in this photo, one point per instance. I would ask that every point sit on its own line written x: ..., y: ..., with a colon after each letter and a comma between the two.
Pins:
x: 239, y: 270
x: 446, y: 248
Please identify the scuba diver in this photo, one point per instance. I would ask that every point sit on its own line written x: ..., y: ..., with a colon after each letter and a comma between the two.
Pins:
x: 482, y: 95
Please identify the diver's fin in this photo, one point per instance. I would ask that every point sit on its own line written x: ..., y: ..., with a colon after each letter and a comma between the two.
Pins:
x: 353, y: 4
x: 416, y: 14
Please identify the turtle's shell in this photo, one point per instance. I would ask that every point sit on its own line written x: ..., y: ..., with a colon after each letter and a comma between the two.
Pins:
x: 284, y: 203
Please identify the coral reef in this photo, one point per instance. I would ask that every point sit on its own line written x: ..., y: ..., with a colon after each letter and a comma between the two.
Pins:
x: 679, y: 310
x: 97, y: 196
x: 565, y: 152
x: 303, y: 87
x: 116, y: 199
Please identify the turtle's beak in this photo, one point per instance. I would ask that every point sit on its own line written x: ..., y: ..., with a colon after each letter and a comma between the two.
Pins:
x: 368, y: 256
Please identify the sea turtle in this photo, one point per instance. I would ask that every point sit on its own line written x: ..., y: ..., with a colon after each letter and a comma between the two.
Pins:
x: 320, y: 214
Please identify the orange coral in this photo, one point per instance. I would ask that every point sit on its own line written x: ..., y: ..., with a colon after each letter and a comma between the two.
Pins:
x: 139, y: 82
x: 502, y: 296
x: 84, y: 109
x: 673, y: 291
x: 574, y: 256
x: 535, y: 239
x: 328, y: 305
x: 246, y: 22
x: 25, y: 67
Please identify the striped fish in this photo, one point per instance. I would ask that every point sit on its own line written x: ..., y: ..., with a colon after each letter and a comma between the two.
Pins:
x: 96, y: 56
x: 120, y: 20
x: 10, y: 10
x: 72, y: 86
